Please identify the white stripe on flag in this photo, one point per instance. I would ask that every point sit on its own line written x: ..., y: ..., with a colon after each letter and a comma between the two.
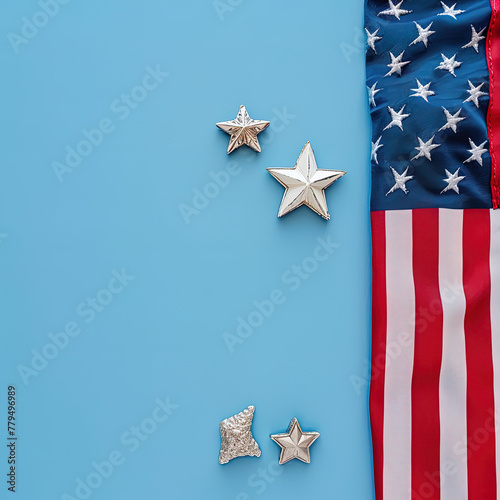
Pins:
x: 495, y: 323
x: 399, y: 355
x: 453, y: 379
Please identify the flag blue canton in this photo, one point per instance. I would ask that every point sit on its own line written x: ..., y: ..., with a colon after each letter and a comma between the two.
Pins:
x: 407, y: 112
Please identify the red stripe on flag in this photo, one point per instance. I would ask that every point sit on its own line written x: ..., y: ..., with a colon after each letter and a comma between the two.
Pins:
x: 480, y: 396
x: 427, y: 356
x: 493, y: 120
x: 379, y: 339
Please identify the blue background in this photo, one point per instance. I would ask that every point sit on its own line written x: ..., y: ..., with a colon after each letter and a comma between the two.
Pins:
x: 162, y: 336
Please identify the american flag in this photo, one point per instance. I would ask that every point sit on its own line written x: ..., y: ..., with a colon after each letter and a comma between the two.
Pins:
x: 435, y: 108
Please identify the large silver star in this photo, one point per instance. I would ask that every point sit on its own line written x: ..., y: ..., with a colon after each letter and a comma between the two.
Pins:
x: 375, y: 147
x: 423, y: 91
x: 450, y: 11
x: 449, y: 64
x: 452, y: 180
x: 243, y: 130
x: 396, y: 64
x: 371, y: 38
x: 397, y: 117
x: 400, y: 181
x: 423, y: 34
x: 425, y: 148
x: 372, y: 92
x: 477, y: 152
x: 452, y: 120
x: 295, y: 443
x: 475, y: 93
x: 305, y: 184
x: 476, y: 38
x: 395, y: 10
x: 236, y: 437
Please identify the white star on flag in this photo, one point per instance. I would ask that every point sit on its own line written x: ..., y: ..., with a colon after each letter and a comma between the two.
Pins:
x: 476, y: 38
x: 450, y: 11
x: 425, y: 148
x: 452, y: 120
x: 396, y: 64
x: 423, y: 91
x: 372, y: 91
x: 452, y: 180
x: 375, y: 147
x: 477, y: 152
x: 475, y: 93
x: 397, y: 117
x: 449, y: 64
x: 400, y: 181
x: 423, y: 34
x: 372, y: 38
x: 395, y: 10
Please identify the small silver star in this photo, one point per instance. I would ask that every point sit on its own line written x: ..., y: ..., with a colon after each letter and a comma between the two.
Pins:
x: 395, y: 10
x: 477, y: 152
x: 305, y: 184
x: 425, y: 148
x: 397, y: 117
x: 396, y: 64
x: 400, y: 181
x: 236, y: 437
x: 423, y: 91
x: 450, y: 11
x: 375, y: 147
x: 452, y: 180
x: 372, y: 92
x: 452, y: 120
x: 423, y: 34
x: 295, y: 443
x: 449, y: 64
x: 475, y: 93
x: 243, y: 130
x: 476, y: 38
x: 372, y: 38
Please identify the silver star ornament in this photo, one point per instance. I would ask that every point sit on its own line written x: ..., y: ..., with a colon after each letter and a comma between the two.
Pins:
x: 295, y: 443
x: 243, y: 130
x: 236, y: 437
x: 305, y: 184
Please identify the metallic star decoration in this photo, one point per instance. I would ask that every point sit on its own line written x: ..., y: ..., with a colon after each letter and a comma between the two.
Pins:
x: 449, y: 64
x: 397, y: 117
x: 452, y: 180
x: 423, y: 34
x: 477, y: 152
x: 400, y: 181
x: 396, y: 64
x: 295, y: 443
x: 425, y: 148
x: 236, y: 436
x: 305, y: 184
x: 372, y: 92
x: 395, y: 10
x: 372, y: 38
x: 476, y: 38
x: 452, y: 120
x: 450, y: 11
x: 375, y: 147
x: 423, y: 91
x: 475, y: 93
x: 243, y: 130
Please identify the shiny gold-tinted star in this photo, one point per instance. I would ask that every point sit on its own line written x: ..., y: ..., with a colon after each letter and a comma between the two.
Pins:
x: 305, y: 184
x: 295, y: 443
x: 243, y: 130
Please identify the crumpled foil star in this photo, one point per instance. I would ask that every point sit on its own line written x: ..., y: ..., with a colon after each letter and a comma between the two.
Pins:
x: 236, y: 437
